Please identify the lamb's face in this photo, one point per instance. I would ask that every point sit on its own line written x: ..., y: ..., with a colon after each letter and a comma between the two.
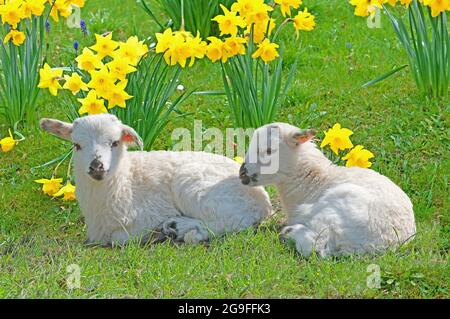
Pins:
x: 98, y: 146
x: 272, y: 154
x: 99, y: 142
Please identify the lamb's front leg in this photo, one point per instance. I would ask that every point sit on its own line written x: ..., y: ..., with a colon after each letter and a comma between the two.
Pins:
x: 120, y: 237
x: 185, y: 229
x: 306, y: 240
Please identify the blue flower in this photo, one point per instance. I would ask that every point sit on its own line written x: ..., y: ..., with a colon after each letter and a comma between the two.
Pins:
x: 76, y: 45
x: 47, y: 26
x: 83, y: 27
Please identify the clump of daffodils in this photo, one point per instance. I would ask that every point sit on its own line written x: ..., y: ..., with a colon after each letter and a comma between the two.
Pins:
x: 338, y: 139
x: 364, y: 8
x: 248, y: 22
x: 99, y: 80
x: 14, y: 12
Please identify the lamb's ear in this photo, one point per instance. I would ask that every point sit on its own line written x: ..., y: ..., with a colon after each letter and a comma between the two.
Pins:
x: 303, y: 136
x: 57, y: 128
x: 129, y: 136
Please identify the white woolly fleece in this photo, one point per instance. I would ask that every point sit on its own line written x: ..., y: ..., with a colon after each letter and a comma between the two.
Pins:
x: 186, y: 195
x: 336, y: 210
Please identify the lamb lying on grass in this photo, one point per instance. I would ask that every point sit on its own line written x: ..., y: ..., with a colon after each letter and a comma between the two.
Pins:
x: 125, y: 195
x: 331, y: 210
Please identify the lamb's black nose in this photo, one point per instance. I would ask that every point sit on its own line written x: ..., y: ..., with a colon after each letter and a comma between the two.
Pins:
x: 242, y: 170
x: 96, y: 170
x: 243, y: 175
x: 96, y: 165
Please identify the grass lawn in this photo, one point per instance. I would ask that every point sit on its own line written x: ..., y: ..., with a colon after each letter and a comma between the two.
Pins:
x: 40, y: 236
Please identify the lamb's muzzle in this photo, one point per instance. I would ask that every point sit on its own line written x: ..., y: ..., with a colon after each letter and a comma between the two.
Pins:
x: 245, y: 179
x: 97, y: 170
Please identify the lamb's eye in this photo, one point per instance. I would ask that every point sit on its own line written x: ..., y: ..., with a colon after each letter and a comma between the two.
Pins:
x: 76, y: 146
x: 269, y: 151
x: 115, y: 144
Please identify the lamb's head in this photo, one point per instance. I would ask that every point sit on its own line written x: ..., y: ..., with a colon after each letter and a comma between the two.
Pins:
x: 99, y: 142
x: 273, y: 153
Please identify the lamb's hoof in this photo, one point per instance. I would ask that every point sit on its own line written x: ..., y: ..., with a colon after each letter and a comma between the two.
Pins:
x: 194, y: 237
x: 285, y: 232
x: 157, y: 237
x: 169, y: 229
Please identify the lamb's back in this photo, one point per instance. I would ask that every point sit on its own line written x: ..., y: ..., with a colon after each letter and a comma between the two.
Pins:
x: 168, y: 162
x: 391, y: 211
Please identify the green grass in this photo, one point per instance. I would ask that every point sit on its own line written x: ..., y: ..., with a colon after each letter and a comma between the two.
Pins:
x: 40, y: 237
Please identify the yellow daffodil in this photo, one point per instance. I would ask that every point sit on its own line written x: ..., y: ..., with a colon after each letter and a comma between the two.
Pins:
x: 33, y: 7
x: 234, y: 46
x: 119, y: 68
x: 92, y: 105
x: 391, y: 2
x: 358, y: 157
x: 239, y: 160
x: 105, y: 45
x: 132, y: 50
x: 245, y: 7
x: 11, y: 13
x: 198, y: 48
x: 60, y: 7
x: 102, y: 81
x: 8, y: 143
x: 338, y: 138
x: 406, y: 2
x: 260, y: 29
x: 437, y: 6
x: 178, y: 52
x: 50, y: 186
x: 74, y: 83
x: 363, y: 8
x: 180, y: 46
x: 118, y: 96
x: 259, y: 14
x: 89, y: 61
x: 183, y: 33
x: 68, y: 191
x: 16, y: 36
x: 286, y: 5
x: 78, y: 3
x: 49, y: 79
x: 229, y: 22
x: 214, y: 50
x: 267, y: 51
x: 304, y: 21
x: 164, y: 40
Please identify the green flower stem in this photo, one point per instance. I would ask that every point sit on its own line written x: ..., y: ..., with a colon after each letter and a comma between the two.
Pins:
x: 55, y: 171
x: 282, y: 25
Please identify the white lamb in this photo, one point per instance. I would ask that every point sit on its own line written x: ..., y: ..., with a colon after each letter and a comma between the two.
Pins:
x: 125, y: 195
x: 331, y: 210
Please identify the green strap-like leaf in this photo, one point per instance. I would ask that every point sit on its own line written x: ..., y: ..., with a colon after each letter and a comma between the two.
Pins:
x: 384, y: 76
